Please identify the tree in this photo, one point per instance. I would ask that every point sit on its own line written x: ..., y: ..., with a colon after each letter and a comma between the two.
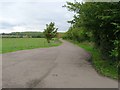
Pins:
x: 100, y: 21
x: 50, y: 31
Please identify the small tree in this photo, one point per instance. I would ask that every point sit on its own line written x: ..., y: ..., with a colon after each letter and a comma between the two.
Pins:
x: 50, y: 31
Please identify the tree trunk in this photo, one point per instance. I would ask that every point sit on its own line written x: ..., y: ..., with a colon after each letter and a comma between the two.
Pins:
x: 48, y: 40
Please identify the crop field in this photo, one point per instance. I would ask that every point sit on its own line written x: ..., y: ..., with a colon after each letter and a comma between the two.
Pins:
x: 15, y: 44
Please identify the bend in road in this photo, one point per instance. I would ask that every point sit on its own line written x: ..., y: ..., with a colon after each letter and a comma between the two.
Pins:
x: 64, y: 66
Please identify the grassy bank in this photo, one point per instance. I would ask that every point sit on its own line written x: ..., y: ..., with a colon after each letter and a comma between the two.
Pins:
x: 15, y: 44
x: 104, y: 67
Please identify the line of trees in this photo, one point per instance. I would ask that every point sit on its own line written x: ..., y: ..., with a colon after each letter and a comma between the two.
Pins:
x: 23, y: 35
x: 98, y: 22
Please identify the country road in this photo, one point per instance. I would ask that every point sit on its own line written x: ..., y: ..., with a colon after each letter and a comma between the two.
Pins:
x: 64, y: 66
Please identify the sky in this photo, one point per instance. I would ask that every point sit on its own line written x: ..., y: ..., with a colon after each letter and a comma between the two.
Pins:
x: 33, y: 15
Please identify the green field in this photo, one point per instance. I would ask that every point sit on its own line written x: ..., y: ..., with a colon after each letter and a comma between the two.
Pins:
x: 15, y: 44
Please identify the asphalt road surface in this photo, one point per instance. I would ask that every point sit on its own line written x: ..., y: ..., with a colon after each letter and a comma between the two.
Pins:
x: 64, y: 66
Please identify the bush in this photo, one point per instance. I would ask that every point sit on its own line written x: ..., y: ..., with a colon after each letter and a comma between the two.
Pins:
x: 100, y: 22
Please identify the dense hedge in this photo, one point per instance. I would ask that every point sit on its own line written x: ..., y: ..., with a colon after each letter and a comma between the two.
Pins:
x: 99, y: 22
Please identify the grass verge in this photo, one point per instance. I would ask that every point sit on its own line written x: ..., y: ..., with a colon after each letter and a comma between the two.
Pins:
x: 15, y: 44
x: 103, y: 67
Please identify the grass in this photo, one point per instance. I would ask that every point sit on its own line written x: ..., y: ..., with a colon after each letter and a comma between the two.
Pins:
x: 104, y: 67
x: 15, y: 44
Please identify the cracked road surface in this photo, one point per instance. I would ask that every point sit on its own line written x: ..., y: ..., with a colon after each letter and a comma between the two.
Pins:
x: 64, y: 66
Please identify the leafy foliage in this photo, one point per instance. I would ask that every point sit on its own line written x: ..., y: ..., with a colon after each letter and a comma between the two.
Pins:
x: 99, y: 22
x: 50, y: 31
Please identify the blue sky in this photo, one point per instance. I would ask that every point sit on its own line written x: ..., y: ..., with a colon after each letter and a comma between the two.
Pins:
x: 33, y: 15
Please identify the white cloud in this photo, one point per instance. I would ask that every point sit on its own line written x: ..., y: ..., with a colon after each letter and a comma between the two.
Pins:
x: 9, y: 20
x: 38, y: 0
x: 33, y: 16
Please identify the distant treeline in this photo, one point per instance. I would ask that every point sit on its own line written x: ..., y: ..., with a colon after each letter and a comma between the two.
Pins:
x: 27, y: 35
x: 23, y: 35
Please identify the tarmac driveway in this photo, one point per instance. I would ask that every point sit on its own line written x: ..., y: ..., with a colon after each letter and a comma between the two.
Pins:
x: 64, y: 66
